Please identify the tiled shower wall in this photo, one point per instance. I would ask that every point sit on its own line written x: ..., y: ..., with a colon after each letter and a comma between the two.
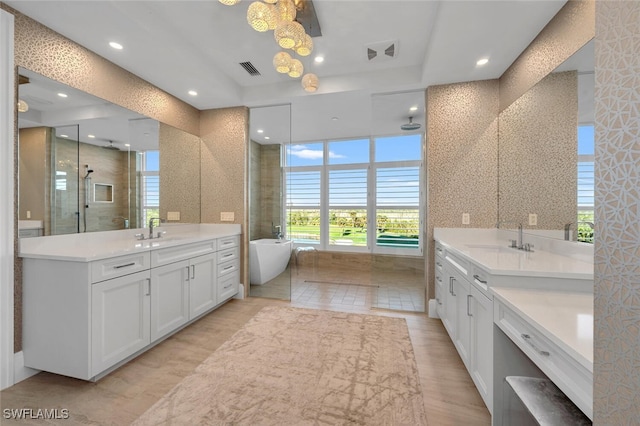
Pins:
x: 617, y: 214
x: 266, y: 188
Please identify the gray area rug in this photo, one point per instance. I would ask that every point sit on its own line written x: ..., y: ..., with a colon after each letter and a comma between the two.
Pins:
x: 294, y: 366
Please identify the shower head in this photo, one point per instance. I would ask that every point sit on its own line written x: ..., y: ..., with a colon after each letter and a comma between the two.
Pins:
x: 89, y: 171
x: 410, y: 125
x: 110, y: 146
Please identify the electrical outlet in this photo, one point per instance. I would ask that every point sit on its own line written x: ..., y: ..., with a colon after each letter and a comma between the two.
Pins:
x: 227, y: 216
x: 533, y: 219
x: 173, y: 215
x: 465, y: 219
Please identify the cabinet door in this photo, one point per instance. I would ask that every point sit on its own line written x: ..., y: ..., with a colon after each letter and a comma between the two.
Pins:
x: 450, y: 306
x: 482, y: 344
x: 463, y: 318
x: 202, y: 285
x: 169, y: 298
x: 119, y: 319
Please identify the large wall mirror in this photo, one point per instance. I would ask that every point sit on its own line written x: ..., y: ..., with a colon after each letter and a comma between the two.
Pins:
x: 545, y: 153
x: 85, y: 164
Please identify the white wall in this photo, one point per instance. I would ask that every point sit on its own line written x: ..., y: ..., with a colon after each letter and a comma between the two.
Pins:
x: 7, y: 109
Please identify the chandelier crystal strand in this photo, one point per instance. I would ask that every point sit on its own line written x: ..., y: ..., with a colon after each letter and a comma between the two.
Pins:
x: 296, y: 68
x: 288, y: 34
x: 282, y: 62
x: 310, y: 82
x: 258, y: 16
x: 306, y: 47
x: 229, y: 2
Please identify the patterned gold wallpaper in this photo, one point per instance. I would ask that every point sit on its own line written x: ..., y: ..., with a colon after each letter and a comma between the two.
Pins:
x: 179, y: 174
x: 568, y: 31
x: 462, y: 157
x: 538, y: 154
x: 617, y: 242
x: 223, y: 170
x: 46, y: 52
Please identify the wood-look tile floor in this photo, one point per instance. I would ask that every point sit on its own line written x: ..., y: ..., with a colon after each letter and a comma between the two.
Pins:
x: 119, y: 398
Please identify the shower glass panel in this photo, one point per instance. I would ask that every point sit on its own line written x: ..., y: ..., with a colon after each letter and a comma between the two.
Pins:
x: 65, y: 180
x: 270, y: 246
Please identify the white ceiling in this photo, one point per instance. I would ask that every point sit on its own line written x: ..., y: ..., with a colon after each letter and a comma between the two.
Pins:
x: 183, y: 45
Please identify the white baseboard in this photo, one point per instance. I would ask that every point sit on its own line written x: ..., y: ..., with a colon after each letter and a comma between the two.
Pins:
x: 20, y: 371
x: 240, y: 294
x: 433, y: 313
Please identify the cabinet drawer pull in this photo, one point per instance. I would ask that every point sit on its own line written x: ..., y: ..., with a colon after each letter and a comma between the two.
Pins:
x: 124, y: 266
x: 148, y: 292
x: 226, y: 268
x: 439, y: 279
x: 477, y: 278
x: 226, y: 287
x: 439, y: 265
x: 527, y: 338
x: 451, y: 280
x: 193, y: 272
x: 469, y: 314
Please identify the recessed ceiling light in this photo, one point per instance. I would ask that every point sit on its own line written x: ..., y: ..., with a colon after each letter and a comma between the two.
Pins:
x: 63, y: 95
x: 64, y: 136
x: 91, y: 136
x: 193, y: 93
x: 413, y: 108
x: 482, y: 61
x: 267, y: 137
x: 126, y: 144
x: 260, y: 131
x: 115, y: 45
x: 319, y: 59
x: 335, y: 118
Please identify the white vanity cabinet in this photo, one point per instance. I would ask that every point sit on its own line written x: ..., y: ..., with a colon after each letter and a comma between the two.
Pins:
x: 83, y: 318
x: 467, y: 314
x: 119, y: 319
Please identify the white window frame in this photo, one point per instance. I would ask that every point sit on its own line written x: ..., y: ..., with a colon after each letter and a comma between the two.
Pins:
x: 371, y: 206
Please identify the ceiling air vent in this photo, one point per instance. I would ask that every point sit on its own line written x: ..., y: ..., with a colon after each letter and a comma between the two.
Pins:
x: 248, y: 66
x: 382, y: 51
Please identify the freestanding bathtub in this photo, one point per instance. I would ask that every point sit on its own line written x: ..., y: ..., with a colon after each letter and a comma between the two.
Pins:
x: 268, y: 258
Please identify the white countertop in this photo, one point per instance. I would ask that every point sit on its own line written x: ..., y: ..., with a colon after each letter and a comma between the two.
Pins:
x: 87, y: 247
x: 564, y: 318
x: 488, y: 249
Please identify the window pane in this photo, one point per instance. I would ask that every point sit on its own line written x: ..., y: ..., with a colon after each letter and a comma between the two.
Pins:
x: 399, y: 148
x: 398, y: 228
x: 349, y: 152
x: 348, y: 227
x: 586, y: 140
x: 398, y: 186
x: 586, y: 183
x: 152, y: 161
x: 304, y: 225
x: 348, y: 207
x: 309, y: 154
x: 303, y: 189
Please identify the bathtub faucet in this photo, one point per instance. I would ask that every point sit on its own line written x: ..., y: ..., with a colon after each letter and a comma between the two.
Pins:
x: 278, y: 232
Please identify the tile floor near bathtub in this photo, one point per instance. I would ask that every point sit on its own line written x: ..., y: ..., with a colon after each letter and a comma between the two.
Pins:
x: 397, y: 290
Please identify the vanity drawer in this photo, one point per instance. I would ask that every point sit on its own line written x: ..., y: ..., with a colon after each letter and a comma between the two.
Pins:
x: 458, y: 263
x: 177, y: 253
x: 228, y: 242
x: 439, y: 250
x: 481, y: 280
x: 567, y: 373
x: 228, y: 286
x: 227, y: 268
x: 118, y: 266
x: 228, y: 254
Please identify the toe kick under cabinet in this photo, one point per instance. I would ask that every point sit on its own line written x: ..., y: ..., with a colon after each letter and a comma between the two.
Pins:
x: 84, y: 319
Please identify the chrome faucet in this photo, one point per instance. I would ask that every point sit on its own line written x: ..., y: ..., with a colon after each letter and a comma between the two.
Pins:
x: 151, y: 225
x: 278, y: 231
x: 519, y: 244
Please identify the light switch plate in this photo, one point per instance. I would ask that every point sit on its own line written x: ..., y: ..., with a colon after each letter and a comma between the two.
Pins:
x: 173, y: 215
x: 227, y: 216
x: 533, y: 219
x: 466, y: 219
